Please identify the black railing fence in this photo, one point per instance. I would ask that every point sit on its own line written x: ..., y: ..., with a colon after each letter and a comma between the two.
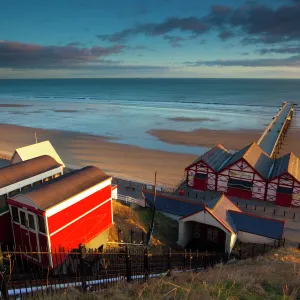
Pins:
x: 25, y: 273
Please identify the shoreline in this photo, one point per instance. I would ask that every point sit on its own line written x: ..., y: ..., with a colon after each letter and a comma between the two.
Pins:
x: 132, y: 162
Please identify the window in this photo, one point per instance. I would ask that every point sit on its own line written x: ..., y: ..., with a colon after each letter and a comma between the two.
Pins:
x: 56, y: 175
x: 14, y: 193
x: 15, y: 214
x: 212, y: 234
x: 42, y: 227
x: 23, y: 218
x: 31, y: 221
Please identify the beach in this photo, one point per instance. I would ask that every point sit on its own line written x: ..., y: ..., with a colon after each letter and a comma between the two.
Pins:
x: 127, y: 161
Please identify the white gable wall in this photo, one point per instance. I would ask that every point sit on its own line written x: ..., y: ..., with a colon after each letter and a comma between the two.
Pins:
x: 246, y: 237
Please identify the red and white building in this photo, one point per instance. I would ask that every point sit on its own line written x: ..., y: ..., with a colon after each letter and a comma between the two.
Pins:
x: 59, y: 215
x: 202, y: 173
x: 284, y: 185
x: 19, y: 177
x: 245, y: 173
x: 248, y: 174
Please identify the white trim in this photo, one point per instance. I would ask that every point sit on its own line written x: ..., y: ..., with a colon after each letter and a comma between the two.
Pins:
x: 29, y: 181
x: 49, y: 242
x: 70, y: 223
x: 73, y: 200
x: 3, y: 213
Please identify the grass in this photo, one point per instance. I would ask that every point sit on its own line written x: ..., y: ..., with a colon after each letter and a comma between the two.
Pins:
x: 138, y: 219
x: 275, y: 276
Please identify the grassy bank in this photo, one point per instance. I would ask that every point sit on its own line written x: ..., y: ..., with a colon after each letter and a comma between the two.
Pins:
x: 138, y: 219
x: 274, y: 276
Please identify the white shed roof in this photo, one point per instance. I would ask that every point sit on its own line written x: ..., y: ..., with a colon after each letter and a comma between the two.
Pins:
x: 38, y: 149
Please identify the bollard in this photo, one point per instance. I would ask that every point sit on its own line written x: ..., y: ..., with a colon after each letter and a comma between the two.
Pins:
x: 284, y: 213
x: 294, y: 216
x: 188, y: 194
x: 196, y: 195
x: 264, y: 209
x: 237, y: 203
x: 246, y: 205
x: 255, y: 207
x: 274, y: 211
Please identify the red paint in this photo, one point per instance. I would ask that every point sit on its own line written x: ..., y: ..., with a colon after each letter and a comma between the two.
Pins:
x: 200, y: 184
x: 72, y: 212
x: 83, y: 230
x: 6, y: 235
x: 283, y: 199
x: 236, y: 192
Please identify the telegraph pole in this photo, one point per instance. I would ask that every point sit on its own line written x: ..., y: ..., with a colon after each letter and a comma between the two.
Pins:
x: 154, y: 209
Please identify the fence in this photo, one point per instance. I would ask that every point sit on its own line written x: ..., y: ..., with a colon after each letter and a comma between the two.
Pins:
x: 94, y: 270
x: 128, y: 199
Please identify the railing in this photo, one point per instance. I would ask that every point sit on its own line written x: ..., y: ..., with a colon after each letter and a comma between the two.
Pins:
x: 92, y: 270
x: 128, y: 199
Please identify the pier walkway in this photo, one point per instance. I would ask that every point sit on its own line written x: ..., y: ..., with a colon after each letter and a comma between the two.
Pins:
x: 272, y: 138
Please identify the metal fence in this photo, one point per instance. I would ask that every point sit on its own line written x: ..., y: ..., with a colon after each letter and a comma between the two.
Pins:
x: 92, y: 270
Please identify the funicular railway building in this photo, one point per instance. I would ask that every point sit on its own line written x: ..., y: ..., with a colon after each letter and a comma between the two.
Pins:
x: 248, y: 174
x: 73, y: 209
x: 19, y: 177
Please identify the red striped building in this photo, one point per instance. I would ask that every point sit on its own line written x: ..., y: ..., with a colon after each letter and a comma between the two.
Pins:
x: 73, y: 209
x: 250, y: 173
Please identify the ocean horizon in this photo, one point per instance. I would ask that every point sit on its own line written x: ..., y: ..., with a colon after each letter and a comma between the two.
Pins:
x: 126, y: 109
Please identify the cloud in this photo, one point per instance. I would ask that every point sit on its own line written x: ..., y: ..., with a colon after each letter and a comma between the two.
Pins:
x: 191, y: 24
x: 293, y: 61
x: 74, y: 44
x: 21, y: 55
x: 174, y: 41
x: 255, y: 22
x: 282, y: 50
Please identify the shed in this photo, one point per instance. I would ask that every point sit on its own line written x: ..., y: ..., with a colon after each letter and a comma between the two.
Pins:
x: 220, y: 223
x: 35, y: 150
x: 19, y: 177
x: 202, y: 173
x: 284, y: 183
x: 245, y: 174
x: 73, y: 209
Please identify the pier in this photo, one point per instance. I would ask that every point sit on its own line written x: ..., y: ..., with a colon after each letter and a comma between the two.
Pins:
x: 273, y: 136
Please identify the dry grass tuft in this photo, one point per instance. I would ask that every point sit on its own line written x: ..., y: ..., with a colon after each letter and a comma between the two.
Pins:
x: 275, y: 276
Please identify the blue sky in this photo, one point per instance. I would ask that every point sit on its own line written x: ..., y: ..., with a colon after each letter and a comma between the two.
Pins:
x: 158, y: 38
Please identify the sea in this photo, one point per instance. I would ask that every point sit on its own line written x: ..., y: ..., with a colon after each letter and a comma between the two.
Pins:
x: 126, y: 109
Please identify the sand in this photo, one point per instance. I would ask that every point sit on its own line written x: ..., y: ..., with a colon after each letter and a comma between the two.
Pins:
x: 234, y: 139
x: 123, y: 161
x: 131, y: 162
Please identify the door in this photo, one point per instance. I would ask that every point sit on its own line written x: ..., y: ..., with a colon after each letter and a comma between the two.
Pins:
x: 29, y: 234
x: 239, y: 193
x: 200, y: 181
x: 283, y: 199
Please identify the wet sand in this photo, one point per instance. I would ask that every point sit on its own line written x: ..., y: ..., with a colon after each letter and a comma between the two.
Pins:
x: 123, y: 161
x: 234, y: 139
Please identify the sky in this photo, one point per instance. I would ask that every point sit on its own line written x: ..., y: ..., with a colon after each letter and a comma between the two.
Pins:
x: 157, y: 38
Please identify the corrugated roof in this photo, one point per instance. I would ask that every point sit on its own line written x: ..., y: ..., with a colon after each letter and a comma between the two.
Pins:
x: 38, y: 149
x: 172, y: 205
x: 220, y: 210
x: 214, y: 158
x: 288, y: 163
x: 270, y: 228
x: 26, y: 169
x: 64, y: 187
x: 255, y: 157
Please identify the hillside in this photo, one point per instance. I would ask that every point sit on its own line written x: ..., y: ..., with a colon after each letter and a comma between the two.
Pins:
x: 274, y: 276
x: 138, y: 219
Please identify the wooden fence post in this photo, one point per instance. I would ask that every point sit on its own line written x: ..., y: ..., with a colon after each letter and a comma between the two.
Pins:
x: 184, y: 259
x: 146, y: 264
x: 82, y: 267
x: 128, y: 265
x: 169, y: 261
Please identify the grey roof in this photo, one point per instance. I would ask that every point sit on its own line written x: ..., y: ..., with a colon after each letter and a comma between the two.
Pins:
x: 288, y: 163
x: 26, y: 169
x: 220, y: 209
x: 214, y: 158
x: 255, y: 157
x: 64, y: 187
x: 254, y: 224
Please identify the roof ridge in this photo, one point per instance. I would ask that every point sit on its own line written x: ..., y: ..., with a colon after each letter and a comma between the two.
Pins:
x: 218, y: 219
